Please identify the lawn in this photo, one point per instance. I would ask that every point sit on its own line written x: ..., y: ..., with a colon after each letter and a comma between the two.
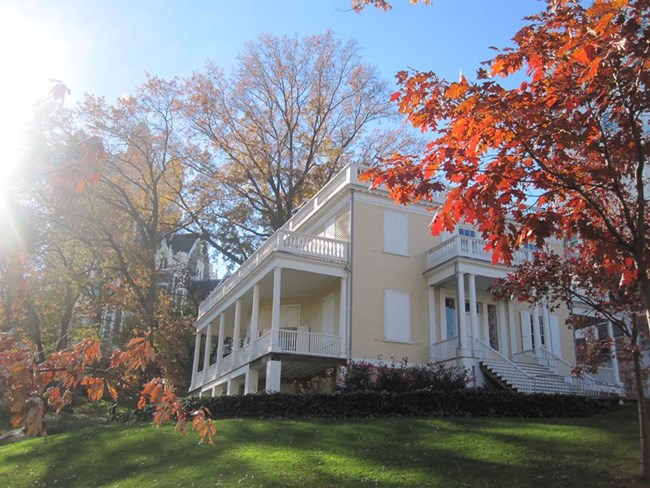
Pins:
x: 600, y: 451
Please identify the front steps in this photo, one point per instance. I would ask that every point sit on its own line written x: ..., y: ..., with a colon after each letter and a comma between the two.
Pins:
x: 527, y: 378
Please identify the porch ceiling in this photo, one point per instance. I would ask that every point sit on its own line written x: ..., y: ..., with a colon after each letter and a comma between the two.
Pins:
x: 296, y: 283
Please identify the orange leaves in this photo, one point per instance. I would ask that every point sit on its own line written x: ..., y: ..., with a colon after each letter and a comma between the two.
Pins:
x: 139, y: 352
x: 203, y: 426
x: 94, y: 387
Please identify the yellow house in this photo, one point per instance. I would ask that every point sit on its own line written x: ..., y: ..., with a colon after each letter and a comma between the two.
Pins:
x: 353, y: 276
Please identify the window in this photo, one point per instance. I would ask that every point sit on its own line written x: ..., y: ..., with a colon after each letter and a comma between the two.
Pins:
x: 530, y: 246
x: 396, y: 233
x: 465, y: 232
x: 397, y: 316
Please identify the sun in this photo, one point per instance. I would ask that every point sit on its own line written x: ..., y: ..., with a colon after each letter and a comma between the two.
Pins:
x: 31, y: 56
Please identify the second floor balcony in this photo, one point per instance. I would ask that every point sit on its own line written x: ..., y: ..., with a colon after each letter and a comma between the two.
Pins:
x: 310, y: 246
x: 467, y: 247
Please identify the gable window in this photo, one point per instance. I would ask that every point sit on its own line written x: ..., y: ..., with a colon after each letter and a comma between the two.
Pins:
x: 396, y: 233
x: 397, y: 316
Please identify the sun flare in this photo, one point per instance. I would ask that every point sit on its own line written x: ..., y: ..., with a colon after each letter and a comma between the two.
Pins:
x: 30, y: 56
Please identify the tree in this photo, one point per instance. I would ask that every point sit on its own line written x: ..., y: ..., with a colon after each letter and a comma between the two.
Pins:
x: 564, y: 154
x: 82, y: 193
x: 289, y: 116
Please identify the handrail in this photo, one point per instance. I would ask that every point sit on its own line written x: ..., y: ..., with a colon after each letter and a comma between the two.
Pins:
x: 494, y: 352
x: 567, y: 365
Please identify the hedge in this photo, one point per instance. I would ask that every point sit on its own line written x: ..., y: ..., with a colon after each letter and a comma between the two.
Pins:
x: 422, y: 403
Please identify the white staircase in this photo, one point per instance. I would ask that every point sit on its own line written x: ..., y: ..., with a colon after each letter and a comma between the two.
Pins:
x: 526, y: 377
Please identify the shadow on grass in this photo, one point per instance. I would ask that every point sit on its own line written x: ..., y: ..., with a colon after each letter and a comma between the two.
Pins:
x: 385, y: 452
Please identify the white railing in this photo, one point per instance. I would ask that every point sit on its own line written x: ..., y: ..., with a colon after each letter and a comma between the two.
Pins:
x: 348, y: 175
x: 469, y: 247
x: 445, y: 350
x: 262, y: 345
x: 282, y: 240
x: 314, y: 246
x: 309, y: 343
x: 521, y: 380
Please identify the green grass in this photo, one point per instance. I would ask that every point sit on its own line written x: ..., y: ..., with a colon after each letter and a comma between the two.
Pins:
x: 600, y: 451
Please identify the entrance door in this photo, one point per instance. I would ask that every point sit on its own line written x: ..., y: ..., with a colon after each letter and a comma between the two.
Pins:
x: 289, y: 317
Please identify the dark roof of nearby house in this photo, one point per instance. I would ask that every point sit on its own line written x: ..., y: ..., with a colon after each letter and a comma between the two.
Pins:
x: 182, y: 242
x: 201, y: 289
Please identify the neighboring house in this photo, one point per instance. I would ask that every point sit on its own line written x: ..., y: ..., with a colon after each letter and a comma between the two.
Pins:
x: 184, y: 271
x: 353, y: 276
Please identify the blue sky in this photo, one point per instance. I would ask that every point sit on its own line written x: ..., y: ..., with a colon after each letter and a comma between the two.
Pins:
x: 105, y: 47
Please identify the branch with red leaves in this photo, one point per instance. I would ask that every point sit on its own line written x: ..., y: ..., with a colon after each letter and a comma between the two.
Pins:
x: 30, y: 389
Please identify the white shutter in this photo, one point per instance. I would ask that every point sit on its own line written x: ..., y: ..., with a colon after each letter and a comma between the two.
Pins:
x: 395, y: 233
x: 525, y: 330
x: 555, y: 341
x: 397, y: 316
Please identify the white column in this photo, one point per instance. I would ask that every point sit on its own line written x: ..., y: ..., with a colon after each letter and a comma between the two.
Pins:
x: 250, y: 385
x: 472, y: 306
x: 443, y: 316
x: 255, y: 314
x: 275, y: 309
x: 343, y: 315
x: 460, y: 311
x: 197, y: 353
x: 230, y: 387
x: 273, y: 373
x: 236, y: 335
x: 512, y: 327
x: 255, y: 320
x: 220, y: 344
x: 536, y: 331
x: 617, y: 372
x: 503, y: 337
x: 206, y: 353
x: 433, y: 337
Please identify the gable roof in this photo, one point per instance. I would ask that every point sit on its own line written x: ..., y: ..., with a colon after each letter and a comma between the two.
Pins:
x: 183, y: 242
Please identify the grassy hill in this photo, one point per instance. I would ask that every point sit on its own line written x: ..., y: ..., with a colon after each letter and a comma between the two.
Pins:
x: 600, y: 451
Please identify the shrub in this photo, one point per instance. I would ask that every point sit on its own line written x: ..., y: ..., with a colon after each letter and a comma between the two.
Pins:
x: 363, y: 376
x: 421, y: 403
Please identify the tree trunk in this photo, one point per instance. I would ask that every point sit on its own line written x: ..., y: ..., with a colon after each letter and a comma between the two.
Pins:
x: 36, y: 331
x: 68, y: 307
x: 643, y: 415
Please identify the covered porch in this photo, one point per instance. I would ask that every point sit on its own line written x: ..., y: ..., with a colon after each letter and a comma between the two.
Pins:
x: 291, y: 311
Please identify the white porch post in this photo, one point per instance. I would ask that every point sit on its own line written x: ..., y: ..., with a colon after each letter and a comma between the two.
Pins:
x: 250, y: 385
x: 460, y: 311
x: 206, y: 353
x: 536, y: 331
x: 546, y: 326
x: 273, y: 374
x: 220, y: 344
x: 275, y: 309
x: 433, y: 338
x: 197, y: 353
x: 617, y: 372
x: 255, y: 319
x: 229, y: 387
x: 343, y: 315
x: 512, y: 327
x: 503, y: 337
x: 472, y: 305
x: 236, y: 335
